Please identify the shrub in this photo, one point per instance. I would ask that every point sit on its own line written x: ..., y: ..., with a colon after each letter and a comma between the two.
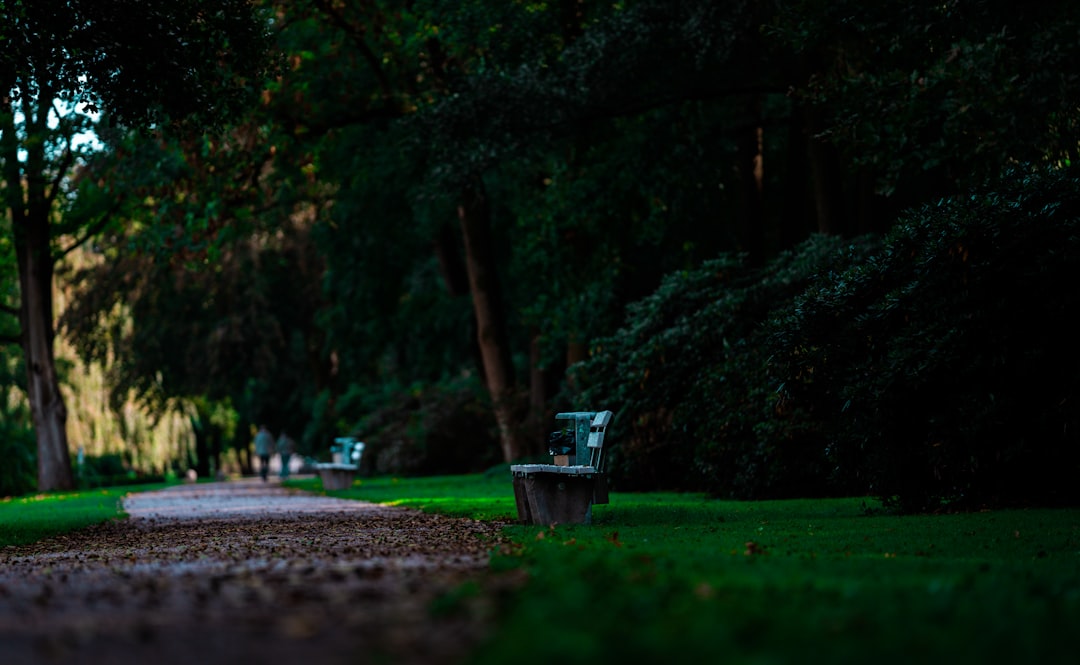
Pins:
x: 430, y: 430
x: 18, y: 447
x: 111, y: 470
x: 944, y: 366
x: 18, y: 452
x: 688, y: 376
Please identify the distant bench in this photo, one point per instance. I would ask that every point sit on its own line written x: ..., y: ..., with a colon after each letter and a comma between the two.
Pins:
x: 339, y: 474
x: 564, y: 492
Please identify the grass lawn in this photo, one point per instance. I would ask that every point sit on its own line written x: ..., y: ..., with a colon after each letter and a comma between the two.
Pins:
x: 682, y: 578
x: 28, y: 519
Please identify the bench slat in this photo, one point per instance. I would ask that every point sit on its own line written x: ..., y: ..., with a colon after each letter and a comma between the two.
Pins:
x: 337, y: 465
x: 526, y: 469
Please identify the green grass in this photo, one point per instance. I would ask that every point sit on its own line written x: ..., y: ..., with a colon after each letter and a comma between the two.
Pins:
x: 486, y: 496
x: 25, y: 520
x: 682, y: 578
x: 799, y: 581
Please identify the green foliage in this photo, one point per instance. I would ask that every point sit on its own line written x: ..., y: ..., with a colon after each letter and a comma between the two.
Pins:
x: 387, y: 292
x: 688, y: 378
x: 238, y: 328
x: 111, y: 470
x: 931, y: 367
x: 611, y: 140
x: 538, y: 72
x: 18, y: 452
x: 943, y: 366
x: 142, y: 63
x: 599, y: 220
x: 586, y: 140
x: 954, y: 89
x: 431, y: 429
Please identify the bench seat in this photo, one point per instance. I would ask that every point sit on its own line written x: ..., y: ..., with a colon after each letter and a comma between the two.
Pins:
x: 527, y: 469
x: 337, y: 465
x: 336, y: 475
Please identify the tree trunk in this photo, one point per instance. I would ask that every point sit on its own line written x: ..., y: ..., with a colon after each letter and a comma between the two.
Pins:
x: 455, y: 278
x: 542, y: 386
x: 447, y: 253
x: 43, y: 387
x: 752, y: 168
x: 537, y: 384
x: 576, y: 351
x: 491, y: 332
x: 797, y: 219
x: 36, y: 322
x: 242, y: 446
x: 28, y: 203
x: 826, y: 175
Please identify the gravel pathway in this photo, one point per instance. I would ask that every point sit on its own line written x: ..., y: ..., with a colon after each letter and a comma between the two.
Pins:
x: 246, y: 572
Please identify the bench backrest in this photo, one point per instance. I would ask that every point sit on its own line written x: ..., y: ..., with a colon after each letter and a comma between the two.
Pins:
x: 597, y: 429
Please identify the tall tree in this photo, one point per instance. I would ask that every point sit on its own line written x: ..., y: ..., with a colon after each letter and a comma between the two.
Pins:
x: 930, y: 97
x: 416, y: 65
x: 164, y: 64
x: 466, y: 98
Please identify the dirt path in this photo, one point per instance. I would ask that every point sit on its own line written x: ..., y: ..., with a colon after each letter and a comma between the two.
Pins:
x: 243, y: 573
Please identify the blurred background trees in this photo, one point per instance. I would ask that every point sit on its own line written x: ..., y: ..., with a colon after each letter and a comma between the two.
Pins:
x: 64, y: 62
x: 791, y: 243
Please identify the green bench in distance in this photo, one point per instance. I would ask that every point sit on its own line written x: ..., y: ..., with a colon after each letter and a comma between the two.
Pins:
x: 339, y: 474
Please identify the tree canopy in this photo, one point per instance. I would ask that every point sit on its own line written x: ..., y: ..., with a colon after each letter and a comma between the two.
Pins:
x: 428, y: 199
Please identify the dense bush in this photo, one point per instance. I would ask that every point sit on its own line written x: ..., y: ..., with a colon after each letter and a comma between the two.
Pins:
x: 687, y: 376
x: 933, y: 367
x: 18, y: 446
x: 945, y: 366
x: 110, y: 470
x: 434, y: 429
x: 18, y: 456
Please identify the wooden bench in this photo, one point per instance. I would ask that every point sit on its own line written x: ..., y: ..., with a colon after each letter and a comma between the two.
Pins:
x: 339, y: 474
x: 564, y: 492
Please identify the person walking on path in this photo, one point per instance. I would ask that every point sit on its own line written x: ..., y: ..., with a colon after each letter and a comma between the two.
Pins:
x: 285, y: 447
x: 264, y: 447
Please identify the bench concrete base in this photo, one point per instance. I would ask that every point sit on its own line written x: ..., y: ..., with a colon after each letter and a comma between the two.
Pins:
x: 550, y: 494
x: 336, y: 476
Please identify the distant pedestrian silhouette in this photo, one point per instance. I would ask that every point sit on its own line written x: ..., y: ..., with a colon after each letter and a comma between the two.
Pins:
x: 285, y: 447
x: 264, y: 447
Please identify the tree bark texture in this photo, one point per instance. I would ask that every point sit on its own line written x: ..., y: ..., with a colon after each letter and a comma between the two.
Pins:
x: 43, y: 385
x: 491, y: 330
x: 537, y: 383
x: 455, y: 276
x: 752, y: 168
x: 827, y: 177
x: 797, y: 212
x: 27, y: 200
x: 543, y: 380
